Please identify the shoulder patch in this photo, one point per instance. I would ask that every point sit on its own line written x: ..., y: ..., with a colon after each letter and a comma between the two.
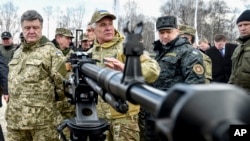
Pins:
x: 198, y: 69
x: 170, y: 54
x: 59, y: 53
x: 195, y: 52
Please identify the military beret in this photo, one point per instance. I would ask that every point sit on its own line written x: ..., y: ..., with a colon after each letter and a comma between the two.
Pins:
x: 84, y: 37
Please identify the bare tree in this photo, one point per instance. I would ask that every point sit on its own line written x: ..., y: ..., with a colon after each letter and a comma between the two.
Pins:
x: 63, y: 17
x: 133, y: 17
x: 184, y: 10
x: 48, y: 11
x: 148, y: 34
x: 77, y: 16
x: 214, y: 16
x: 9, y: 20
x: 231, y: 28
x: 246, y: 3
x: 72, y: 18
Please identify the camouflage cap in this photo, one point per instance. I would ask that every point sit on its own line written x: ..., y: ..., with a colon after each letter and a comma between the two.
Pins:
x: 84, y: 37
x: 98, y: 15
x: 65, y: 32
x: 185, y: 29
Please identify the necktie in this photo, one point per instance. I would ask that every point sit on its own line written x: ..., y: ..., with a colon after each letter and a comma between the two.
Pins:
x: 221, y: 52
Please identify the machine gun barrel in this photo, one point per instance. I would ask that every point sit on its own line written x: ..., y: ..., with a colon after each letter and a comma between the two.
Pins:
x: 184, y: 110
x: 137, y: 93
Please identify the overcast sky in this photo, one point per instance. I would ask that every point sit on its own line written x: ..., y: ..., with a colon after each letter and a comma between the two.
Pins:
x: 147, y: 7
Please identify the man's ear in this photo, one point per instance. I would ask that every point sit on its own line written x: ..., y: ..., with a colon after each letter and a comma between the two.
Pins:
x: 178, y: 30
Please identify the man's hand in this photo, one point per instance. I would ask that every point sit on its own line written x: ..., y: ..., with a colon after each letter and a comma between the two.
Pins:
x: 114, y: 64
x: 6, y: 98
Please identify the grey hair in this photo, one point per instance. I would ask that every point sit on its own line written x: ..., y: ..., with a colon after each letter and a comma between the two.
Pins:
x: 93, y: 25
x: 31, y: 15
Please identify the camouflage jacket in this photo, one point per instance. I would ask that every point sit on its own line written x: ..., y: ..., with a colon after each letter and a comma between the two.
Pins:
x: 150, y: 68
x: 67, y: 52
x: 241, y: 65
x: 114, y: 48
x: 66, y: 109
x: 179, y: 62
x: 35, y: 73
x: 207, y: 66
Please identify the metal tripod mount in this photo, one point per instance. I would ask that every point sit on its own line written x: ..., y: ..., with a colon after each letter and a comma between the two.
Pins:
x: 86, y: 125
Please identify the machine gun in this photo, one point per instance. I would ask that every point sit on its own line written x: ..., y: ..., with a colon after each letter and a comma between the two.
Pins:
x: 83, y: 92
x: 184, y: 112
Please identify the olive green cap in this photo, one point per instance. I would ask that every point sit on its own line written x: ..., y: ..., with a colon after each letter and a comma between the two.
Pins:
x: 98, y: 15
x: 185, y: 29
x: 84, y: 37
x: 65, y: 32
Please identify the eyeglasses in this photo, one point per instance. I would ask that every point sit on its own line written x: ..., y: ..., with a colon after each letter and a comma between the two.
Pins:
x: 5, y: 38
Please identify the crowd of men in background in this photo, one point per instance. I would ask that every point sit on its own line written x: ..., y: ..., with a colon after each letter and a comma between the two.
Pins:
x: 36, y: 72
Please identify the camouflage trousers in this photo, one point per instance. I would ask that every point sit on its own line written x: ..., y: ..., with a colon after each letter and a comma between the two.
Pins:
x: 147, y: 126
x: 48, y: 133
x: 67, y: 111
x: 123, y: 129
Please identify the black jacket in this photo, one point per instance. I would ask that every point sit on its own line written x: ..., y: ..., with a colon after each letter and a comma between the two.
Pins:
x: 3, y: 77
x: 221, y: 66
x: 177, y: 60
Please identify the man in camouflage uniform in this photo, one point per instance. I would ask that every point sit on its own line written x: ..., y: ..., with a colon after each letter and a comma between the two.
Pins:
x: 108, y: 46
x: 62, y: 41
x: 91, y: 34
x: 85, y: 43
x: 240, y: 75
x: 179, y: 62
x: 189, y: 33
x: 36, y: 72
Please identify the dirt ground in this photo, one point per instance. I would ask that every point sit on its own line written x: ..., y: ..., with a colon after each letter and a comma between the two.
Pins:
x: 2, y: 120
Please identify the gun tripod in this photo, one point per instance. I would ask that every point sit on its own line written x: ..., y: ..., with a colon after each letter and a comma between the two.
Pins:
x: 86, y: 126
x: 85, y: 133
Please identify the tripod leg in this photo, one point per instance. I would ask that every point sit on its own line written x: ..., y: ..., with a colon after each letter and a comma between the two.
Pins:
x: 1, y: 134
